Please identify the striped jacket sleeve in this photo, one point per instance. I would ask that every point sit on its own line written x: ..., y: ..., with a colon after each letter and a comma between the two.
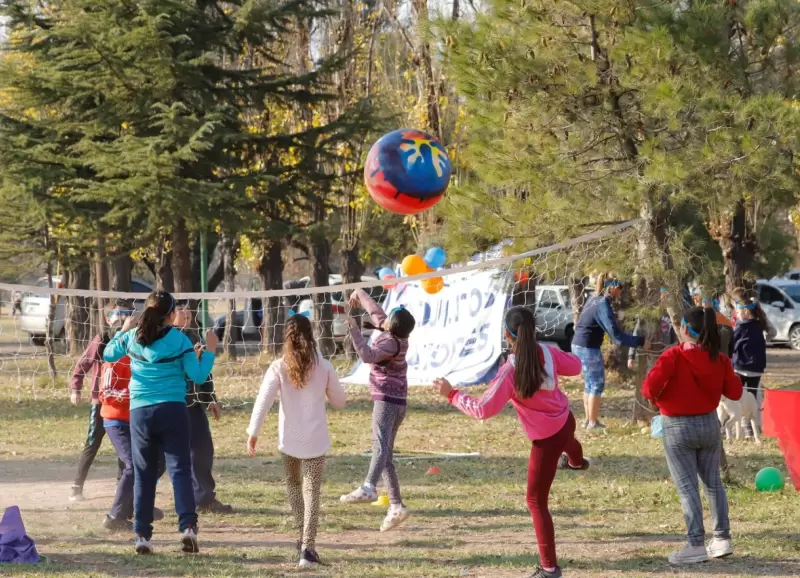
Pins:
x: 492, y: 401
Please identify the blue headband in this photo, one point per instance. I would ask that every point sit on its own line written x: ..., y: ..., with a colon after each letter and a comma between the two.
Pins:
x: 511, y: 333
x: 395, y: 310
x: 691, y: 331
x: 612, y: 283
x: 751, y: 305
x: 171, y: 306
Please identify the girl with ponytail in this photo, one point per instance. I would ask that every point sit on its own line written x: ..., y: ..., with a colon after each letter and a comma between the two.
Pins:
x: 687, y: 384
x: 161, y: 359
x: 749, y: 345
x: 529, y: 380
x: 304, y: 380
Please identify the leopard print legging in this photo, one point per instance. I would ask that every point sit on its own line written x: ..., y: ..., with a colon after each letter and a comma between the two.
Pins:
x: 303, y: 486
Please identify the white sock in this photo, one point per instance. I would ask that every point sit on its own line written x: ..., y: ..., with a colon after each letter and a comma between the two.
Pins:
x: 368, y: 487
x: 395, y: 507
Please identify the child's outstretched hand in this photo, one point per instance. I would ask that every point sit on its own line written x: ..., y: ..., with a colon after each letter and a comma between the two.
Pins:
x: 354, y: 301
x: 442, y: 387
x: 251, y: 446
x: 351, y: 323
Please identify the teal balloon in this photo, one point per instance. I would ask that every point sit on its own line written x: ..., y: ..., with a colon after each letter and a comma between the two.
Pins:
x: 435, y: 258
x: 769, y: 480
x: 386, y: 273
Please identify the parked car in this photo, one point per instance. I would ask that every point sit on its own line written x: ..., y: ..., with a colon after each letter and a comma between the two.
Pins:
x: 249, y: 319
x: 780, y: 299
x: 36, y: 307
x: 553, y: 311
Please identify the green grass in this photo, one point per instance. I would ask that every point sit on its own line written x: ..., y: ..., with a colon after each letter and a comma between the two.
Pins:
x: 619, y: 519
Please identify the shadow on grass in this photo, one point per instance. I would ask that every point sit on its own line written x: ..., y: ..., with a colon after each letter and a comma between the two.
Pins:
x: 733, y: 566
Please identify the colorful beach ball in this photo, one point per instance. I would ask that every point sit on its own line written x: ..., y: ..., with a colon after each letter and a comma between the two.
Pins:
x: 407, y: 171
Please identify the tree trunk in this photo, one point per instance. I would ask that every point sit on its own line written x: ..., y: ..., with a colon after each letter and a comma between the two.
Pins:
x: 51, y: 316
x: 577, y: 295
x: 739, y: 249
x: 120, y: 269
x: 323, y: 313
x: 164, y: 278
x: 182, y: 268
x: 270, y: 271
x: 229, y: 264
x: 352, y: 270
x: 77, y: 317
x: 181, y: 259
x: 101, y: 276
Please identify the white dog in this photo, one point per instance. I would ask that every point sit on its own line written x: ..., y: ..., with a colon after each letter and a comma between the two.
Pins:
x: 730, y: 413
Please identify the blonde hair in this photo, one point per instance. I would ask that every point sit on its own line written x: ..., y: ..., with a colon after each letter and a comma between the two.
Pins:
x: 300, y: 349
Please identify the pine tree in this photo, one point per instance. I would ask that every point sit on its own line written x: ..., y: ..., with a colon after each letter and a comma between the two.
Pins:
x: 147, y: 108
x: 594, y: 111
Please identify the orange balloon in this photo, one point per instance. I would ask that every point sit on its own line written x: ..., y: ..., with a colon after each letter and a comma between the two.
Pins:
x: 432, y: 286
x: 414, y: 265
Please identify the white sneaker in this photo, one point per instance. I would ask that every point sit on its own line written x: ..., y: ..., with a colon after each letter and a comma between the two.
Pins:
x: 360, y: 495
x: 689, y: 555
x: 719, y: 547
x: 143, y: 545
x: 394, y: 517
x: 189, y: 541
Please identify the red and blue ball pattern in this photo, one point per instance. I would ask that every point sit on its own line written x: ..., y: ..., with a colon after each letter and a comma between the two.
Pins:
x: 407, y: 171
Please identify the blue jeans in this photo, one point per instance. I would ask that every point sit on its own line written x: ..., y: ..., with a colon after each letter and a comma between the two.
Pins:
x: 122, y: 507
x: 163, y: 427
x: 693, y: 445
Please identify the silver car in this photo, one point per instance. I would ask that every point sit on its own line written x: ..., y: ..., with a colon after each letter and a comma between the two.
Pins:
x: 553, y: 309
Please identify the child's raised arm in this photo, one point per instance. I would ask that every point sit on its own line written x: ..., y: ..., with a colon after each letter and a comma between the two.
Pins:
x: 376, y: 313
x: 491, y: 402
x: 117, y: 348
x: 384, y: 347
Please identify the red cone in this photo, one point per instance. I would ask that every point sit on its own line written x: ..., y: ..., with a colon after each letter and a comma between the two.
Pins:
x: 433, y: 471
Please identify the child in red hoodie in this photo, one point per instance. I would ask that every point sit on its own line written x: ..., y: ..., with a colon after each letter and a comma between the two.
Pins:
x: 686, y: 385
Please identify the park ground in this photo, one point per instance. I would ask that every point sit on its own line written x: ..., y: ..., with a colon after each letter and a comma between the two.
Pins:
x: 620, y: 519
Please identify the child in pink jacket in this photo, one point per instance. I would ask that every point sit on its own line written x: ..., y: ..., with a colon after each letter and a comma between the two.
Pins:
x: 529, y: 380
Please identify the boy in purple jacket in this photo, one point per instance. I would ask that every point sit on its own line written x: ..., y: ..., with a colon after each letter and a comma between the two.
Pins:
x: 388, y: 385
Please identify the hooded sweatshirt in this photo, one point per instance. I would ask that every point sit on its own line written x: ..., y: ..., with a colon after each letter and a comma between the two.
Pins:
x: 749, y: 346
x: 544, y: 413
x: 159, y: 370
x: 686, y: 381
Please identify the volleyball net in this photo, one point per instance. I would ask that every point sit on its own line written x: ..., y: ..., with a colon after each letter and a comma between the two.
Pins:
x: 44, y: 330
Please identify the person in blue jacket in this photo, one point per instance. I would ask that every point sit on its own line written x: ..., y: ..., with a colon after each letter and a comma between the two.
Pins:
x: 749, y: 345
x: 597, y: 319
x: 161, y: 359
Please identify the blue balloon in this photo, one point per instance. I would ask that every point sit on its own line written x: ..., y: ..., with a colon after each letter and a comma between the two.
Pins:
x: 435, y: 257
x: 382, y: 274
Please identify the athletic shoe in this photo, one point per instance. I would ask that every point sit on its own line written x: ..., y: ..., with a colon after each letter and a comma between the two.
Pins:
x: 143, y: 545
x: 596, y: 426
x: 585, y: 423
x: 360, y: 495
x: 542, y: 573
x: 216, y: 507
x: 689, y: 555
x: 76, y: 494
x: 563, y: 463
x: 719, y: 547
x: 189, y: 540
x: 309, y: 558
x: 394, y: 517
x: 117, y: 524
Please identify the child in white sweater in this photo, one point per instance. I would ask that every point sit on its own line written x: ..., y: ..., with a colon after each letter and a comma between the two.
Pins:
x: 304, y: 380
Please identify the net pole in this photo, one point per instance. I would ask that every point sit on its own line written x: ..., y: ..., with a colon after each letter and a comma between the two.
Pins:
x: 203, y: 280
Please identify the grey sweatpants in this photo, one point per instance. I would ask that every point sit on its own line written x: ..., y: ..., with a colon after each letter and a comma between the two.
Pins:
x: 693, y: 446
x: 386, y: 420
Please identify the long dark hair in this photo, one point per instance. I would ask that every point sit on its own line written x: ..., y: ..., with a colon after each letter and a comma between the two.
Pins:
x: 702, y: 325
x: 159, y: 306
x: 299, y: 349
x: 521, y: 326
